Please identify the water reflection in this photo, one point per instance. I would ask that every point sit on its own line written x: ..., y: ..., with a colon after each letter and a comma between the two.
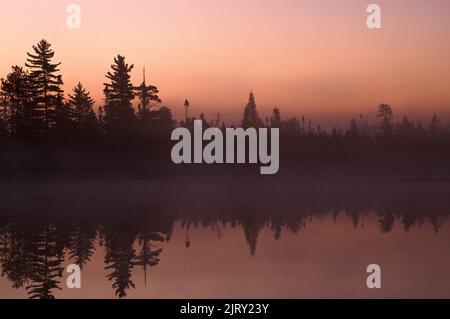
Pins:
x: 43, y: 227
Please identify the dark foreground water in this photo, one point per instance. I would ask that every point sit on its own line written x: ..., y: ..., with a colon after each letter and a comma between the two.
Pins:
x: 142, y: 239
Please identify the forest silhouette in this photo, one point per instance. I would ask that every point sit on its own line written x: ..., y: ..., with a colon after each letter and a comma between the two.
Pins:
x: 45, y: 132
x: 42, y: 131
x: 39, y: 236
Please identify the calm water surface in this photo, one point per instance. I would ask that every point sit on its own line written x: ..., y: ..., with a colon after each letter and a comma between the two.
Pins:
x: 142, y: 239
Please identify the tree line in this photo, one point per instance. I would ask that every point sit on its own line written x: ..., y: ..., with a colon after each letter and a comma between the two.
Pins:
x: 34, y: 109
x: 33, y: 103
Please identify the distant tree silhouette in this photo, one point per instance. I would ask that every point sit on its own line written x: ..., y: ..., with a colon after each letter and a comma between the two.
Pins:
x: 406, y: 129
x: 275, y: 119
x: 148, y: 98
x: 82, y: 113
x: 101, y: 118
x: 364, y: 128
x: 385, y: 116
x: 218, y: 120
x: 164, y: 122
x: 63, y: 126
x: 3, y: 129
x: 34, y: 112
x: 292, y: 126
x: 310, y: 130
x: 251, y: 117
x: 45, y: 85
x: 353, y: 133
x: 435, y: 126
x: 119, y: 115
x: 186, y: 106
x: 412, y: 136
x: 17, y: 97
x: 205, y: 123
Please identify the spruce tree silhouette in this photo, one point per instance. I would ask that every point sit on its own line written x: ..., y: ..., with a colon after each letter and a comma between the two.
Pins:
x: 82, y: 113
x: 119, y: 115
x: 251, y: 117
x: 46, y: 86
x: 16, y: 91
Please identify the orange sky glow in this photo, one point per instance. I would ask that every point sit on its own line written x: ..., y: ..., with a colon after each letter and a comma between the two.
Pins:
x: 314, y: 58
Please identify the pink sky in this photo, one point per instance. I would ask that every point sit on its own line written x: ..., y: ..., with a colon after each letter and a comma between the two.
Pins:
x: 308, y: 57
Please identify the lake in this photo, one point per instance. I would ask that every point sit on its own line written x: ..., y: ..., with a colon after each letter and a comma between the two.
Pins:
x: 228, y: 239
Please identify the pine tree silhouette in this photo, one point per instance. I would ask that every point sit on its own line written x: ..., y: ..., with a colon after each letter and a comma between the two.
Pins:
x: 148, y: 97
x: 46, y: 86
x: 119, y: 114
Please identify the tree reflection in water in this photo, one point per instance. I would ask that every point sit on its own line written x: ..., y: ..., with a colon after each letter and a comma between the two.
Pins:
x: 54, y: 222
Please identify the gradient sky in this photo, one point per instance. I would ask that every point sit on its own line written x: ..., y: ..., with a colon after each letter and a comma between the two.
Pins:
x: 316, y: 58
